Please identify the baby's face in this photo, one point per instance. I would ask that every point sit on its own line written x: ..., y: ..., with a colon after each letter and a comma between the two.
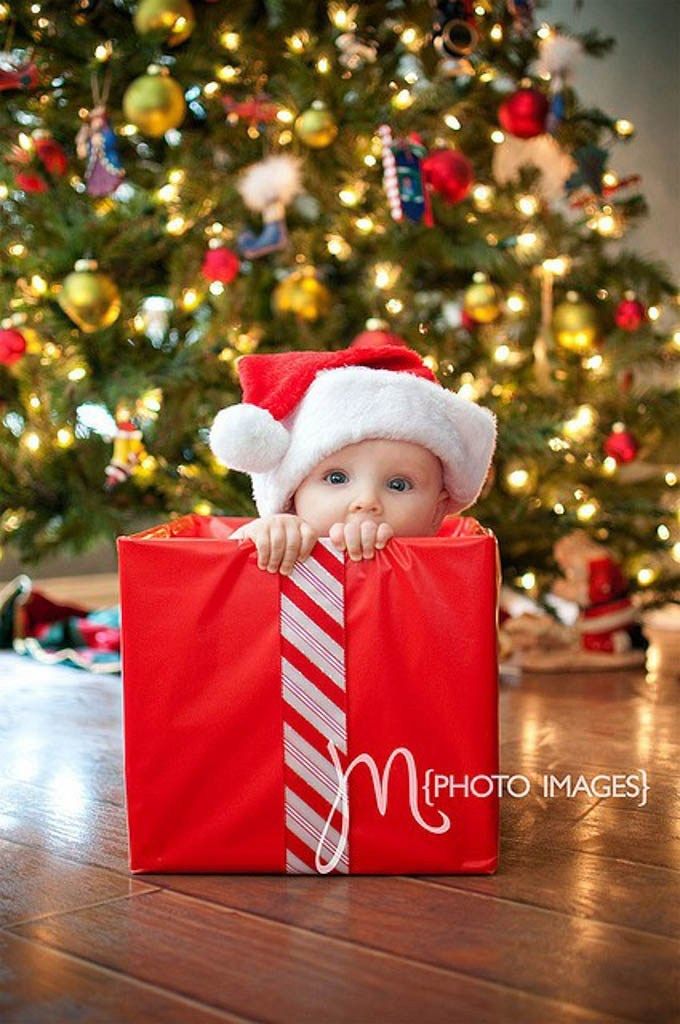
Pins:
x: 396, y: 482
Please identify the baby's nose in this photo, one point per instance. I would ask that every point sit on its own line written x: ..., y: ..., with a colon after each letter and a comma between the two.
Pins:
x: 368, y: 501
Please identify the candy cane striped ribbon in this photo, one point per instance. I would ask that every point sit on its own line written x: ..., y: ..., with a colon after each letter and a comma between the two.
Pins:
x: 312, y: 621
x: 390, y: 172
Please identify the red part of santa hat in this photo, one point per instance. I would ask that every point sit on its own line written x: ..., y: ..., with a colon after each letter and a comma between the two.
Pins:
x: 300, y: 407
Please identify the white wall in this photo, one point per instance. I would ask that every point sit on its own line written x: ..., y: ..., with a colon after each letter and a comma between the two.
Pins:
x: 639, y: 80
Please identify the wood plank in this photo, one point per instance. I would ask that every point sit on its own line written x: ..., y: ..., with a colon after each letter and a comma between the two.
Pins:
x: 61, y: 730
x: 37, y: 882
x: 252, y: 966
x: 581, y: 884
x: 66, y: 820
x: 43, y: 986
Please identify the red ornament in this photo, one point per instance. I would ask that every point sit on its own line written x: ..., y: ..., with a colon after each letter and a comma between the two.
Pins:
x: 467, y: 322
x: 449, y: 173
x: 12, y: 346
x: 29, y: 181
x: 376, y: 339
x: 621, y: 445
x: 51, y: 154
x: 221, y: 264
x: 630, y: 314
x: 524, y: 114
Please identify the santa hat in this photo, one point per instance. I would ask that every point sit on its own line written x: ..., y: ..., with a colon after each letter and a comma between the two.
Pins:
x: 300, y: 407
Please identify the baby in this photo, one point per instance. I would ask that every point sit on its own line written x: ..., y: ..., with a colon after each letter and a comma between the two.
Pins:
x: 358, y: 445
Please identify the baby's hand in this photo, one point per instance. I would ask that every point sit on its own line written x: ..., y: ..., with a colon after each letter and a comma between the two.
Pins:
x: 281, y: 540
x: 360, y: 539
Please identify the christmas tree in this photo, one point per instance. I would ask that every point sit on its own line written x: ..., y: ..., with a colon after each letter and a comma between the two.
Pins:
x: 183, y: 183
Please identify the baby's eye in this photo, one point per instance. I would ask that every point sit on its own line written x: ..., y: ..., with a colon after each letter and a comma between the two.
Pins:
x: 336, y: 476
x: 402, y: 484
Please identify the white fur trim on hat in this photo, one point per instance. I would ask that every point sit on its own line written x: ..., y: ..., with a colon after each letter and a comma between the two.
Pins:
x: 347, y: 404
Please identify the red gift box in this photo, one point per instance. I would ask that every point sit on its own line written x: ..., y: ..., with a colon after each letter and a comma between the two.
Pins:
x: 343, y: 719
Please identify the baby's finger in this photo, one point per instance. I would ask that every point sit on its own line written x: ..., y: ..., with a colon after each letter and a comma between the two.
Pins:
x: 337, y: 535
x: 309, y: 539
x: 292, y: 549
x: 277, y: 542
x: 263, y: 544
x: 353, y: 541
x: 385, y: 531
x: 368, y: 539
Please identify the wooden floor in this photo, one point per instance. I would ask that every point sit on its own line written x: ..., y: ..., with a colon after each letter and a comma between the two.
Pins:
x: 580, y: 923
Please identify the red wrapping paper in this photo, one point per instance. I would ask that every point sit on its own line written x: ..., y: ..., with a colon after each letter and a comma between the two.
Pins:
x: 204, y: 716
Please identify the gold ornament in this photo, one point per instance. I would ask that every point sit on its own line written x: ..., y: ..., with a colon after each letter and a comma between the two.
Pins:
x: 575, y: 324
x: 174, y: 18
x: 154, y: 102
x: 301, y: 293
x: 90, y: 298
x: 316, y: 127
x: 482, y: 300
x: 520, y: 476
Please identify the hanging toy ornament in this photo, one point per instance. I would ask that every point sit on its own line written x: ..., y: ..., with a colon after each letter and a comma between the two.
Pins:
x: 482, y: 300
x: 403, y: 179
x: 449, y: 173
x: 128, y: 449
x: 220, y: 263
x: 575, y: 324
x: 522, y: 14
x: 268, y: 187
x: 89, y: 297
x: 45, y: 154
x: 154, y: 102
x: 12, y: 346
x: 96, y: 143
x: 524, y: 114
x: 620, y: 444
x: 174, y: 19
x: 303, y: 294
x: 316, y: 126
x: 17, y: 71
x: 630, y: 313
x: 455, y: 35
x: 558, y: 56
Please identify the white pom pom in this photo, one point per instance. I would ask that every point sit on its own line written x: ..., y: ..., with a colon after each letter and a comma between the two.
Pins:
x: 276, y: 179
x: 558, y: 56
x: 248, y: 438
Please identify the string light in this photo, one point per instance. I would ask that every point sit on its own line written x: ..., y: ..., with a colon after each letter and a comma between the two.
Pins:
x: 365, y: 224
x: 176, y: 225
x: 403, y: 99
x: 527, y: 581
x: 104, y: 51
x: 558, y: 265
x: 646, y: 575
x: 482, y: 196
x: 323, y: 65
x: 298, y: 42
x: 385, y: 275
x: 497, y: 136
x: 662, y: 532
x: 227, y: 73
x: 77, y: 373
x: 653, y: 313
x: 624, y: 128
x: 31, y: 441
x: 496, y: 33
x: 452, y: 122
x: 581, y: 423
x: 230, y: 40
x: 670, y: 479
x: 394, y: 306
x: 343, y: 17
x: 527, y: 204
x: 588, y: 510
x: 65, y: 437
